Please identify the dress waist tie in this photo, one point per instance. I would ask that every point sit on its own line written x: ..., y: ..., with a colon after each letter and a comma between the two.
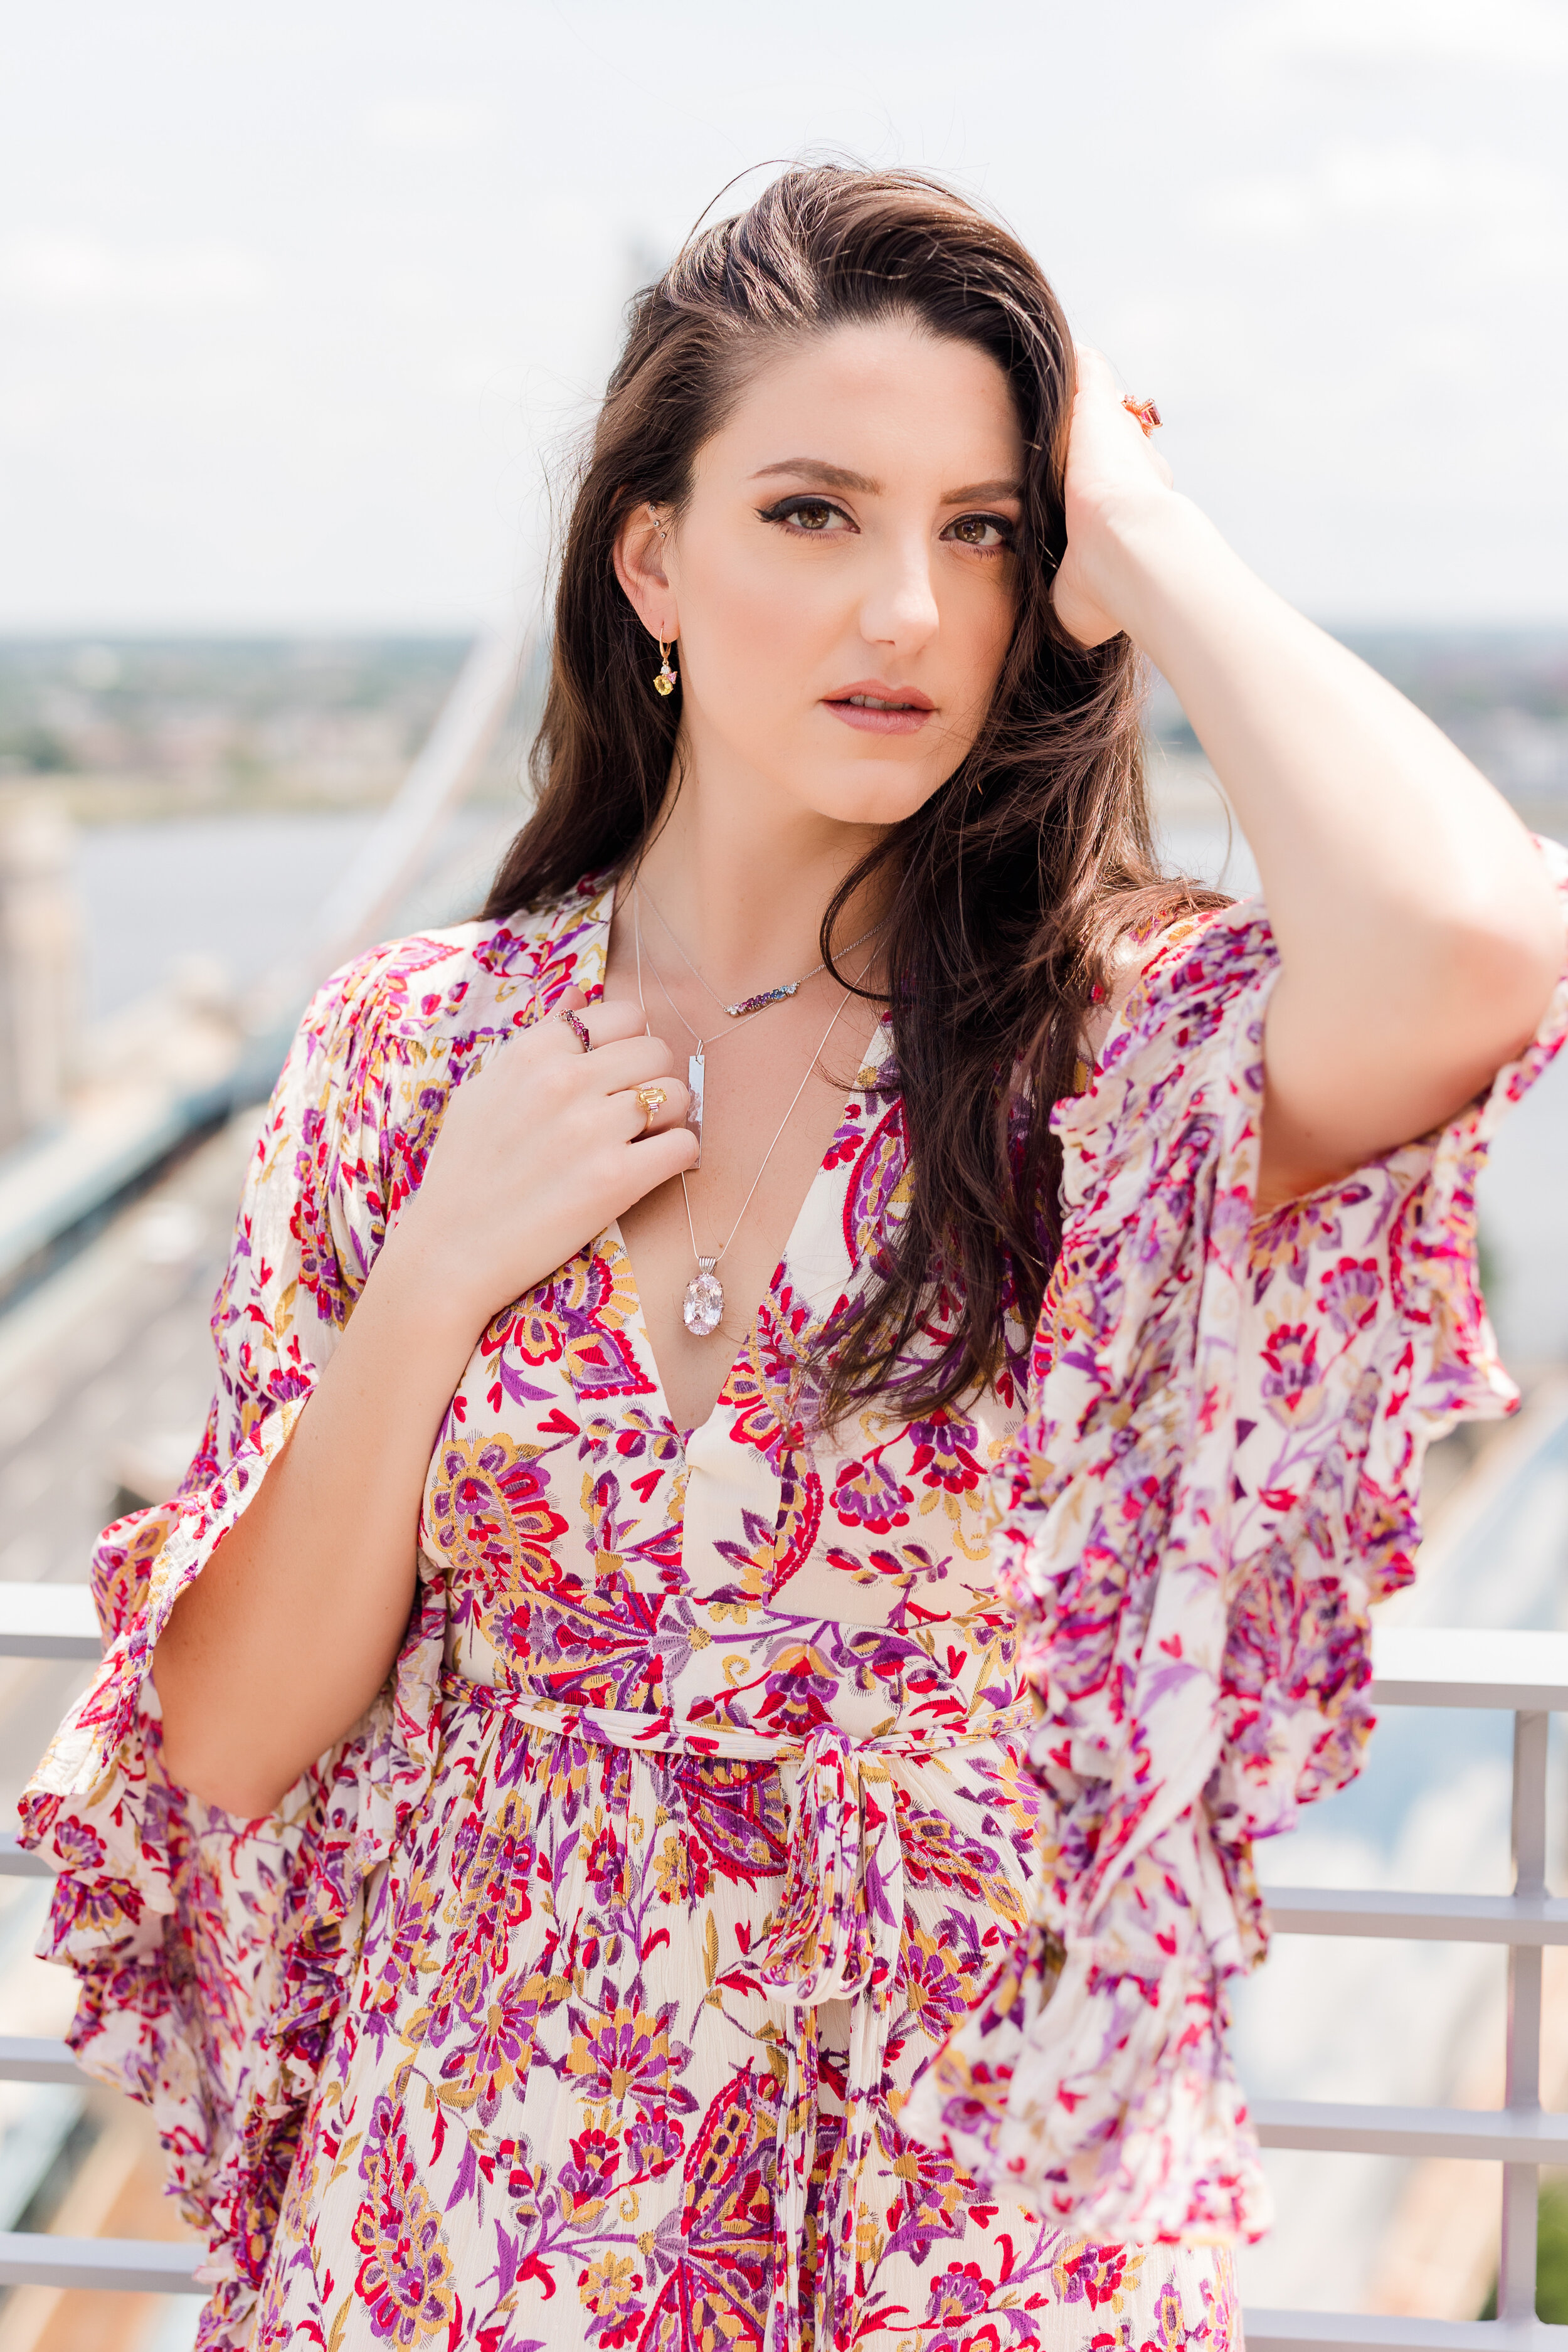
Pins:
x: 834, y: 1935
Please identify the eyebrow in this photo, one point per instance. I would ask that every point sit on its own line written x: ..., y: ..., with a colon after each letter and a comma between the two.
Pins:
x: 998, y: 490
x: 817, y: 469
x: 839, y: 478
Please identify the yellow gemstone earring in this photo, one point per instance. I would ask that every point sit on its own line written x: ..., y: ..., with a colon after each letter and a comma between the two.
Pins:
x: 665, y: 677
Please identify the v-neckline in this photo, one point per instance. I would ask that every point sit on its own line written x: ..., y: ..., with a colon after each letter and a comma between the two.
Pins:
x: 873, y: 1061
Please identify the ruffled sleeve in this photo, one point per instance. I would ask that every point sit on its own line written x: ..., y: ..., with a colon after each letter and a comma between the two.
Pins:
x: 1217, y: 1476
x: 212, y: 1953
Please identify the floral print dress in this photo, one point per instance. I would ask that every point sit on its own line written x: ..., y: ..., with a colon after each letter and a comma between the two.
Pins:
x: 785, y: 1893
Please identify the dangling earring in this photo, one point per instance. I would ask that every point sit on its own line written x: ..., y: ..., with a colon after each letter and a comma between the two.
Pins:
x: 664, y: 681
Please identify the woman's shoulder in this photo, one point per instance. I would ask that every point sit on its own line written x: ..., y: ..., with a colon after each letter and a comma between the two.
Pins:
x: 466, y: 979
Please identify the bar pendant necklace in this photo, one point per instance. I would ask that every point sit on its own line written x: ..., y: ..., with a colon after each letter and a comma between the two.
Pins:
x: 746, y: 1010
x: 703, y: 1308
x: 694, y: 1082
x: 696, y: 1064
x: 703, y: 1305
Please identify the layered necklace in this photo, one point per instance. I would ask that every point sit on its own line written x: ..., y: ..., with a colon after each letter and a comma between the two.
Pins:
x: 703, y: 1305
x: 745, y: 1011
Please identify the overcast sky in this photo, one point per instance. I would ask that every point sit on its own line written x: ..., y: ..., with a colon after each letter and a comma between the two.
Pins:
x: 296, y: 298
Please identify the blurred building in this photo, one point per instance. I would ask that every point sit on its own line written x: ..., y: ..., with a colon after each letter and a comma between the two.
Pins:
x: 40, y: 968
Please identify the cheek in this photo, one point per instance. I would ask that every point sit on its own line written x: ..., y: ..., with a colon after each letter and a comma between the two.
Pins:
x: 981, y: 630
x: 755, y: 635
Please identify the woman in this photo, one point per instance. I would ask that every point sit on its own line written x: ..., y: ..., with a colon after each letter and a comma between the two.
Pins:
x: 563, y: 1768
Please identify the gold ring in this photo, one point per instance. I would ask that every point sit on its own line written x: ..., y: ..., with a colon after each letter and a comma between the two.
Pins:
x: 1146, y: 413
x: 653, y: 1100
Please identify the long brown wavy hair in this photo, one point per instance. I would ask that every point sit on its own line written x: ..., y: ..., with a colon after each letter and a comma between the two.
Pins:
x: 1004, y: 892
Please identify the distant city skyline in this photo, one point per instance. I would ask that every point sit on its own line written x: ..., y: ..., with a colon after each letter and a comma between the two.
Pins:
x: 294, y: 302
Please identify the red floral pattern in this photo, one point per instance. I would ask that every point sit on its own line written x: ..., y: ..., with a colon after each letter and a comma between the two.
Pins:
x: 1218, y: 1474
x: 585, y: 1994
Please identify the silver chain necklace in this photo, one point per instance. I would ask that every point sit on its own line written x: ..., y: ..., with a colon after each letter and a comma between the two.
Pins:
x: 696, y: 1062
x: 746, y: 1011
x: 749, y: 1006
x: 702, y: 1307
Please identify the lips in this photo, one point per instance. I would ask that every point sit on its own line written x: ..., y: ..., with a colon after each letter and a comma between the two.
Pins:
x: 875, y: 708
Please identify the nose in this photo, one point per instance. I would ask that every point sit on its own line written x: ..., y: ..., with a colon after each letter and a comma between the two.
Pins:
x: 899, y: 607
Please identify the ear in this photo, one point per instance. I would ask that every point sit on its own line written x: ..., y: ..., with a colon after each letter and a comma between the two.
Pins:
x: 642, y: 569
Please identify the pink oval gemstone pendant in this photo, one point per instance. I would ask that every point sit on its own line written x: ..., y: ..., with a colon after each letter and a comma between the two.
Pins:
x: 703, y: 1304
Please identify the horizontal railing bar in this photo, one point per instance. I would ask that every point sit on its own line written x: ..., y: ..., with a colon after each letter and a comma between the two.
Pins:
x: 29, y: 2258
x: 48, y: 1621
x: 30, y: 2058
x: 1296, y: 2331
x: 18, y: 1861
x: 1429, y: 1919
x: 1469, y: 1665
x: 1413, y: 1665
x: 1481, y: 2136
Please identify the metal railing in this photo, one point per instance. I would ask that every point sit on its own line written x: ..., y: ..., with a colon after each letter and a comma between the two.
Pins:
x: 1525, y: 1675
x: 56, y: 1620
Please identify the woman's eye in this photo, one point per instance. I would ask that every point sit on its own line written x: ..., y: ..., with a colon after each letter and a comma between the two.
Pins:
x: 984, y: 532
x: 815, y: 517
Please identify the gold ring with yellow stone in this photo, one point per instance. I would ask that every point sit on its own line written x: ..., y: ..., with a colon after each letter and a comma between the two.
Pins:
x: 653, y: 1100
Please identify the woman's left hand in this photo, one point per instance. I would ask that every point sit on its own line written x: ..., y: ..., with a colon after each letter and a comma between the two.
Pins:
x: 1111, y: 470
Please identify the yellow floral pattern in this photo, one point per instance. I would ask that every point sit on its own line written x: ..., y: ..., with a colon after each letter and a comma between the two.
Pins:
x: 591, y: 1993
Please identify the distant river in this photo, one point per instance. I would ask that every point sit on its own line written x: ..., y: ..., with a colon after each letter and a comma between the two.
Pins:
x: 238, y: 890
x: 241, y: 890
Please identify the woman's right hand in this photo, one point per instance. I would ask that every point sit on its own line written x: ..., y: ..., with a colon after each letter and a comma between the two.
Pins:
x: 537, y: 1153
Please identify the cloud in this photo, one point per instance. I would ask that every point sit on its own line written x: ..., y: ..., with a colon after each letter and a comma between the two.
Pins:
x: 1499, y: 34
x: 1399, y: 185
x: 428, y: 126
x: 69, y: 272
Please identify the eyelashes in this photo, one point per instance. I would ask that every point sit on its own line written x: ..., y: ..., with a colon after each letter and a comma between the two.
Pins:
x: 796, y: 508
x: 960, y: 529
x: 808, y: 515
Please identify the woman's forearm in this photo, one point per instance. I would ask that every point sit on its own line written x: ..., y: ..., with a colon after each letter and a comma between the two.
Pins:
x: 279, y: 1647
x: 1417, y: 928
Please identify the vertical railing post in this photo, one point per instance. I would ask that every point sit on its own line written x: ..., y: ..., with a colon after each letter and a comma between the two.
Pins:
x: 1520, y: 2182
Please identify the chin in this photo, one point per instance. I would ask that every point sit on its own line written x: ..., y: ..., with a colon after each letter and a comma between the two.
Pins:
x: 863, y: 798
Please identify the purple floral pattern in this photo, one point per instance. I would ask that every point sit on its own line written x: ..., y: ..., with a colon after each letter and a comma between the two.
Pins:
x: 1217, y: 1476
x: 590, y: 1993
